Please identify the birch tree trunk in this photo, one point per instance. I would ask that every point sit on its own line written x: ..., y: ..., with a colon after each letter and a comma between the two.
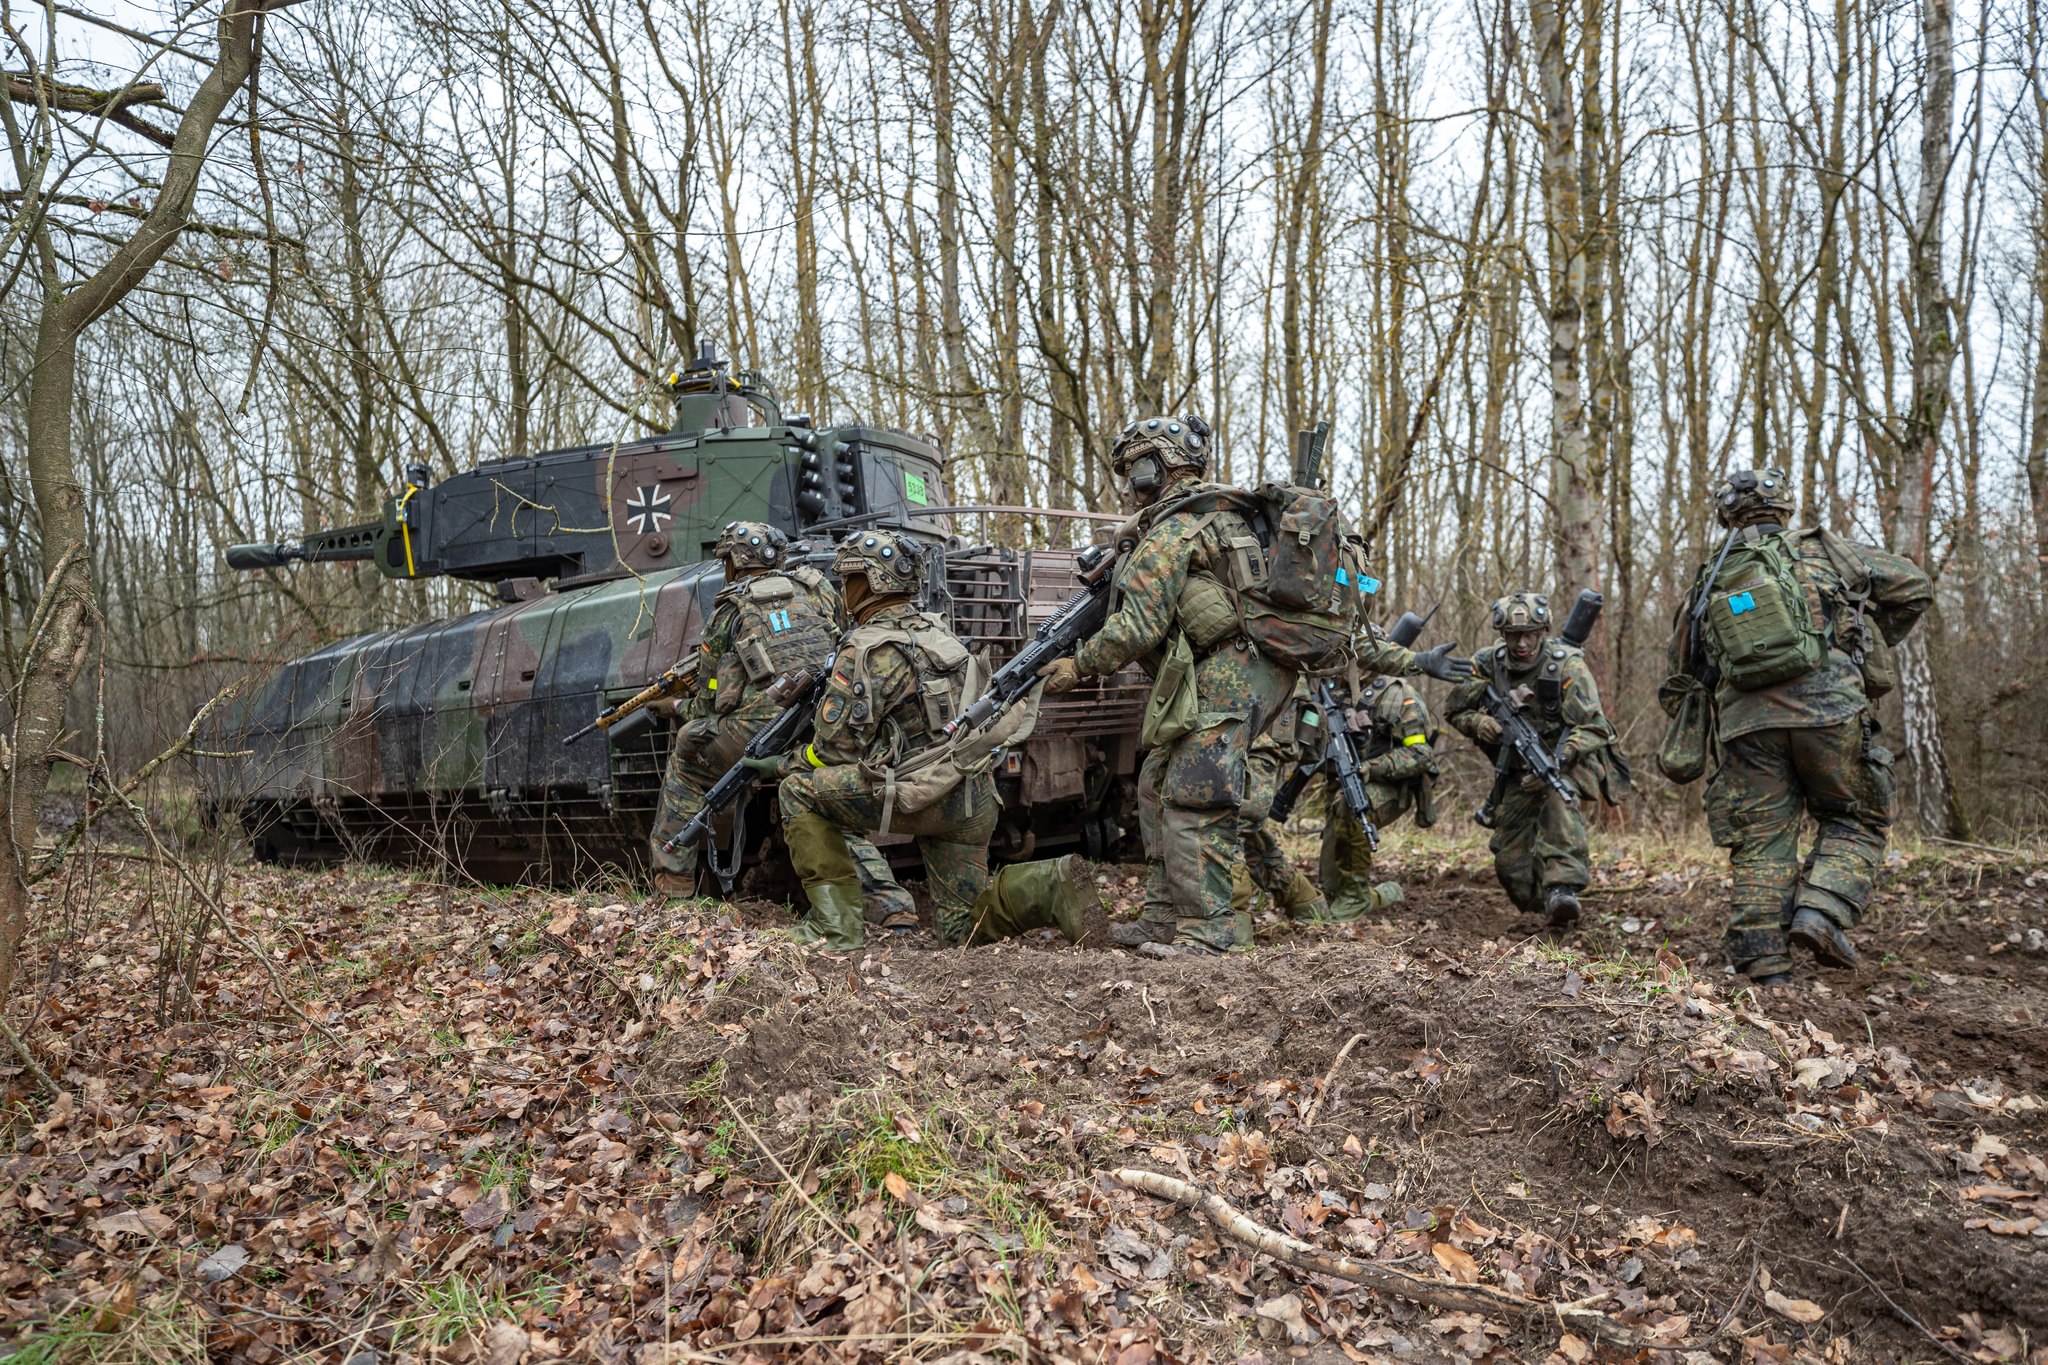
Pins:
x: 1933, y: 343
x: 1573, y: 493
x: 2037, y: 430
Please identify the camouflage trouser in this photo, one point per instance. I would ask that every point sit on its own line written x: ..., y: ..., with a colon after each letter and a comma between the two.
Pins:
x: 1768, y: 781
x: 694, y: 766
x: 952, y: 834
x: 1345, y: 864
x: 1539, y: 841
x: 1266, y: 865
x: 1190, y: 791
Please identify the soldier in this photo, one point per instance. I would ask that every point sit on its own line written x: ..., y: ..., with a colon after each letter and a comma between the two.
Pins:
x: 1295, y: 736
x: 770, y: 618
x: 898, y: 677
x: 1796, y: 725
x: 1175, y: 598
x: 1400, y: 769
x: 1539, y: 838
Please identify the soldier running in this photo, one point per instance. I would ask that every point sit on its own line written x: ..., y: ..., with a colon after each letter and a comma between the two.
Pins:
x: 770, y: 618
x: 1793, y: 632
x: 1539, y: 838
x: 1400, y: 770
x: 898, y: 677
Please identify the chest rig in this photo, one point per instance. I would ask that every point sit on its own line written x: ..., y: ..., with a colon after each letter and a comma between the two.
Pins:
x: 781, y: 622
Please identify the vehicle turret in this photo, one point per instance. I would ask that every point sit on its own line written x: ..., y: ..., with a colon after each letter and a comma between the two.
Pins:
x: 591, y: 512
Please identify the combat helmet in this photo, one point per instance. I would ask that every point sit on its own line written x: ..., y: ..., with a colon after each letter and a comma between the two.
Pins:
x: 1748, y: 495
x: 1521, y: 611
x: 1170, y: 442
x: 745, y: 545
x: 893, y: 564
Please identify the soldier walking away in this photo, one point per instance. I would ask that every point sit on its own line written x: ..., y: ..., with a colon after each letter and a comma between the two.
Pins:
x: 772, y: 617
x: 1400, y: 772
x: 1179, y: 613
x: 1789, y: 634
x: 1539, y: 836
x: 898, y: 677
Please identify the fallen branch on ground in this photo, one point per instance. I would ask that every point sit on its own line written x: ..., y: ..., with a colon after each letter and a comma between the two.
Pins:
x: 1465, y: 1298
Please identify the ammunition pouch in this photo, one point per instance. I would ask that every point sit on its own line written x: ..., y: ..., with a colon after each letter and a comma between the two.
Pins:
x: 1174, y: 708
x: 1206, y: 612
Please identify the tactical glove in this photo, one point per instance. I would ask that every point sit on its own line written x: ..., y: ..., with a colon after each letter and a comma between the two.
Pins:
x: 1061, y: 675
x: 1440, y: 663
x: 765, y: 768
x: 1483, y: 729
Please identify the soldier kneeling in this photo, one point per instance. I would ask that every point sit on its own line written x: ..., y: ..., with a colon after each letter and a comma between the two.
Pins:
x: 771, y: 617
x: 898, y: 677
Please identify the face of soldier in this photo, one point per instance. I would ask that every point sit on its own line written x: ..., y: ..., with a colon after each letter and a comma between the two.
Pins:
x: 1142, y: 480
x: 854, y: 589
x: 1524, y: 646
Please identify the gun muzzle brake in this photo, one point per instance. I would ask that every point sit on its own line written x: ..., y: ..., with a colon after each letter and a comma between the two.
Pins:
x: 243, y: 558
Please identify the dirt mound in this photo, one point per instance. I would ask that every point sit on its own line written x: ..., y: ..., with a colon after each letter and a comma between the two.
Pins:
x: 1594, y: 1094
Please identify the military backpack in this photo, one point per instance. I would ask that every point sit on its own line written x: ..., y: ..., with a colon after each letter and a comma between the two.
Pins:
x: 1296, y: 577
x: 1761, y: 627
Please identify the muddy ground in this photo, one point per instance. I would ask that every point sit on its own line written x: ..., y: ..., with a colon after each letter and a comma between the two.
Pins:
x: 515, y: 1125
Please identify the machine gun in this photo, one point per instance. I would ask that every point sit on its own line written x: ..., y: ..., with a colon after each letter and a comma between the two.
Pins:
x: 631, y: 715
x: 1518, y: 735
x: 1079, y: 617
x: 1405, y: 633
x: 798, y: 694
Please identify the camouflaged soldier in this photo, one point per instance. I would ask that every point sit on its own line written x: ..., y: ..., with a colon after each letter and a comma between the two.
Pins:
x: 1293, y: 738
x: 1400, y: 770
x: 1795, y: 718
x: 770, y: 618
x: 898, y: 677
x: 1539, y: 838
x: 1174, y: 597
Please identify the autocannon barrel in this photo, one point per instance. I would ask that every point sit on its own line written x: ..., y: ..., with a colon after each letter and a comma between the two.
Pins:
x: 273, y: 556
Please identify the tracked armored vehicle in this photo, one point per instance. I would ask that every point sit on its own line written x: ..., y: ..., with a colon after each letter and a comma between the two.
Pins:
x: 444, y: 742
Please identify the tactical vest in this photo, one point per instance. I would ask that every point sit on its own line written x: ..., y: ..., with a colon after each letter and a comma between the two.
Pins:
x: 783, y: 622
x: 1382, y: 737
x: 1545, y: 684
x: 938, y: 661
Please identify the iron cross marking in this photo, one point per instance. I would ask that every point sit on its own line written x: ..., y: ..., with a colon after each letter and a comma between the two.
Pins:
x: 647, y: 509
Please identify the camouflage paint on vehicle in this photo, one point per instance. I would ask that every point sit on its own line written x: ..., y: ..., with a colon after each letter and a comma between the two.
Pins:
x: 444, y: 741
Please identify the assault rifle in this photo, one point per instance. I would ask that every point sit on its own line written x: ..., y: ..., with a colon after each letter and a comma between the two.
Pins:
x: 1696, y: 660
x: 1079, y: 617
x: 1405, y: 633
x: 1519, y: 738
x: 798, y: 694
x: 632, y: 715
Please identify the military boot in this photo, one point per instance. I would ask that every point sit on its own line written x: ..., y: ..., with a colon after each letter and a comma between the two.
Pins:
x: 1054, y: 893
x: 1823, y: 938
x: 1386, y: 894
x: 1302, y: 901
x: 1139, y: 932
x: 1562, y: 904
x: 834, y: 922
x: 1760, y: 955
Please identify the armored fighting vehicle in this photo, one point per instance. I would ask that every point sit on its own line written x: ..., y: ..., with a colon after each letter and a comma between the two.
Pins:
x: 444, y: 741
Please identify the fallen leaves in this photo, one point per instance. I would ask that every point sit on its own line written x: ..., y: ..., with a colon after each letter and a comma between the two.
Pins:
x: 1803, y: 1311
x: 1459, y: 1264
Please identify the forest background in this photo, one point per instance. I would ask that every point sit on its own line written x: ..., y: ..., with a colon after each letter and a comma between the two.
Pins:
x: 1549, y: 267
